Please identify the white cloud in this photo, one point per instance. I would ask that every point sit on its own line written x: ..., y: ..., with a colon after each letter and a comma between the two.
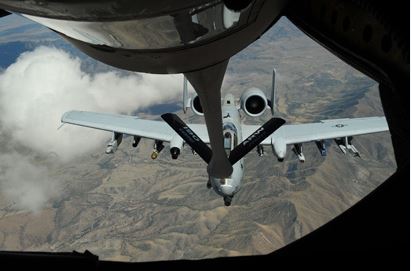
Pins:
x: 43, y: 84
x: 26, y: 184
x: 34, y: 93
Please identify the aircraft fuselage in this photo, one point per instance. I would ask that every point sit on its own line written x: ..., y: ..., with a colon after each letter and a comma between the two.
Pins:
x: 232, y: 133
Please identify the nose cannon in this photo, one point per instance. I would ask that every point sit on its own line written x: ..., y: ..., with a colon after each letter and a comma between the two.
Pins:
x: 223, y: 187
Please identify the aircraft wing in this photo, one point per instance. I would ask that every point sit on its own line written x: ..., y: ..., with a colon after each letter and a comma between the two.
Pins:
x: 325, y: 129
x: 130, y: 125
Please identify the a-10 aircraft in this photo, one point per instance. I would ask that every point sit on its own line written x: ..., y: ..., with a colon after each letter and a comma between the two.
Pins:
x: 238, y: 138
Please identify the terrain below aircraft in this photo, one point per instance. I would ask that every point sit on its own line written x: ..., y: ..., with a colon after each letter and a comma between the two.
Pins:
x: 238, y: 138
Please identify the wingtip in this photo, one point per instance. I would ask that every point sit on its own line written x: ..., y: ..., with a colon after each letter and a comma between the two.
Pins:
x: 65, y: 115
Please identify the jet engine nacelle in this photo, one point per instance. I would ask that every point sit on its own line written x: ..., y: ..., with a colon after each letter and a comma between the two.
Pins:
x: 196, y: 106
x: 254, y: 102
x: 279, y: 148
x: 176, y: 144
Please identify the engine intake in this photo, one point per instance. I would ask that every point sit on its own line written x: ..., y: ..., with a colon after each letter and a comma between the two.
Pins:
x: 196, y: 106
x: 254, y: 102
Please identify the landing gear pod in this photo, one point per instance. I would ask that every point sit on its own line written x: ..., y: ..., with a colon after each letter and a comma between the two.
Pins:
x: 176, y: 144
x: 279, y: 148
x: 175, y: 152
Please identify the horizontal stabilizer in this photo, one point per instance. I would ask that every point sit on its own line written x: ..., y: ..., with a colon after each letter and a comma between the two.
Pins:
x: 254, y: 139
x: 188, y: 136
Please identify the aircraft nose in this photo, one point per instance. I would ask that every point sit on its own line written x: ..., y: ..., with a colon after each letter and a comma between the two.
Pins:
x: 227, y: 189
